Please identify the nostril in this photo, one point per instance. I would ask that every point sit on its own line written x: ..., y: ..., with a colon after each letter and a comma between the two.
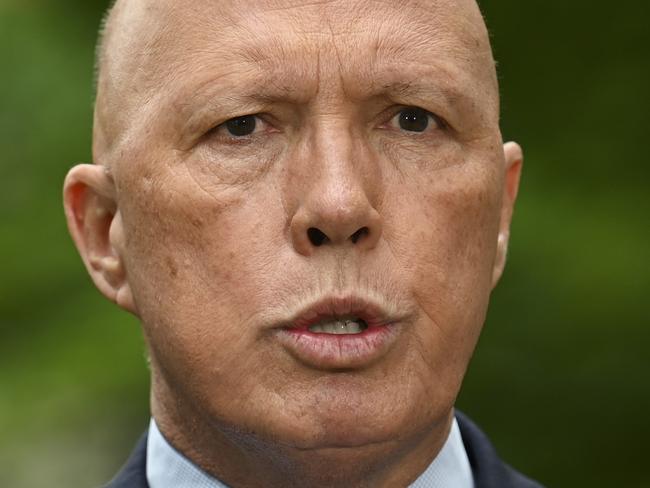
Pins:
x: 358, y: 235
x: 316, y: 236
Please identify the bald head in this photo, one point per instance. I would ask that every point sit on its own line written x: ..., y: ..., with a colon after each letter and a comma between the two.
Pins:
x: 147, y: 45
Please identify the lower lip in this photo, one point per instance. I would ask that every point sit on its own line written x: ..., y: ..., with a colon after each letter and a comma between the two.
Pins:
x: 334, y: 351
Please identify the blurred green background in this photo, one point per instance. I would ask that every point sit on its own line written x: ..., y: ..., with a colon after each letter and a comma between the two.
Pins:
x: 560, y: 379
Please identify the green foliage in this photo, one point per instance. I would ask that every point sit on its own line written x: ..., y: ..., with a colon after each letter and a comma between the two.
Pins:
x: 558, y: 378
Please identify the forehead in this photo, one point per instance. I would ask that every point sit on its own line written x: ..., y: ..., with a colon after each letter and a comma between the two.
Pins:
x: 165, y: 38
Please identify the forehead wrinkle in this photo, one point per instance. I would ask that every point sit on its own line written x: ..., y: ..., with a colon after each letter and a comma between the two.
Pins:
x: 438, y: 36
x: 256, y: 47
x: 256, y: 71
x: 461, y: 41
x: 155, y: 51
x: 455, y: 37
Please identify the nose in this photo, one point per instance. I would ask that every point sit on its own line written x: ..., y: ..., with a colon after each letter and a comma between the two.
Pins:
x: 321, y: 223
x: 337, y: 211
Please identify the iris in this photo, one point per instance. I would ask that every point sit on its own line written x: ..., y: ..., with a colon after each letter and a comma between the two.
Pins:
x: 241, y: 126
x: 414, y: 119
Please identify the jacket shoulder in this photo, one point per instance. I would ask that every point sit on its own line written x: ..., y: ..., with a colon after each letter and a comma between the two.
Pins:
x: 489, y: 471
x: 134, y: 472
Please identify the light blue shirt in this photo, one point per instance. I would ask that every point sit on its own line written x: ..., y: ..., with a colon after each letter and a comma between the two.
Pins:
x: 168, y: 468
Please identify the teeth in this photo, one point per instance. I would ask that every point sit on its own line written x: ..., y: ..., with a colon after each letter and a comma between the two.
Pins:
x: 339, y: 327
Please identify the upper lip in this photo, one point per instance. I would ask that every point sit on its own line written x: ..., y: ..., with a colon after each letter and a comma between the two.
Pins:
x: 344, y: 306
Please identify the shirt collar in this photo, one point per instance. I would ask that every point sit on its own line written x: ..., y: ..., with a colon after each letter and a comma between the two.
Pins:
x: 168, y: 468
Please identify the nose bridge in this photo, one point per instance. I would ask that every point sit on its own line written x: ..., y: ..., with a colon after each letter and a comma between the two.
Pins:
x: 333, y: 157
x: 337, y: 204
x: 342, y: 187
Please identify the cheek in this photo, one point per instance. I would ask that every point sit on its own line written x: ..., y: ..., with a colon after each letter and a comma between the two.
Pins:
x: 448, y: 246
x: 459, y: 218
x: 194, y: 258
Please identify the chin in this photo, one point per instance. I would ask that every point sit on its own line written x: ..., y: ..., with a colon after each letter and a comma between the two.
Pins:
x: 345, y: 419
x: 334, y: 446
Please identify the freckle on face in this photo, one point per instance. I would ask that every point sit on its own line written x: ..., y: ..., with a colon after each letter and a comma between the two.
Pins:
x: 197, y: 222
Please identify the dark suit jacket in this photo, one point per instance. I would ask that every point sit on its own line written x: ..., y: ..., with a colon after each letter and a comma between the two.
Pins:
x: 489, y: 471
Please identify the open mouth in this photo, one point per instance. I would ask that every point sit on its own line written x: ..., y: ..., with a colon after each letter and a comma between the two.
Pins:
x: 339, y: 326
x: 340, y: 332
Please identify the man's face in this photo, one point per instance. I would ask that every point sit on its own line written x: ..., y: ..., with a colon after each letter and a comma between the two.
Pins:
x: 290, y: 165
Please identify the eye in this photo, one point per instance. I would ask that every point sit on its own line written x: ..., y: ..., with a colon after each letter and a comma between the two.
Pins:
x: 415, y: 119
x: 242, y: 130
x: 241, y: 126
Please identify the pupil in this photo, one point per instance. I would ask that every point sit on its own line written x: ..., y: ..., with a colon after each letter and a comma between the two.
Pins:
x: 241, y: 126
x: 414, y: 119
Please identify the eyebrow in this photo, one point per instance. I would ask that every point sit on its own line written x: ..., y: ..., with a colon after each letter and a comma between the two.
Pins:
x: 421, y: 90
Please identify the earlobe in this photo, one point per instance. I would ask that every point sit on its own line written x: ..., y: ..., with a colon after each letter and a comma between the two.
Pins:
x: 95, y: 225
x: 513, y: 158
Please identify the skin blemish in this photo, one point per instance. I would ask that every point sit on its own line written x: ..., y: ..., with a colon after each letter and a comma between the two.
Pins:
x: 171, y: 266
x: 197, y: 222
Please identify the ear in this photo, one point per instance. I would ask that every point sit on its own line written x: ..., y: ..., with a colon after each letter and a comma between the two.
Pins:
x: 514, y: 159
x: 95, y: 224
